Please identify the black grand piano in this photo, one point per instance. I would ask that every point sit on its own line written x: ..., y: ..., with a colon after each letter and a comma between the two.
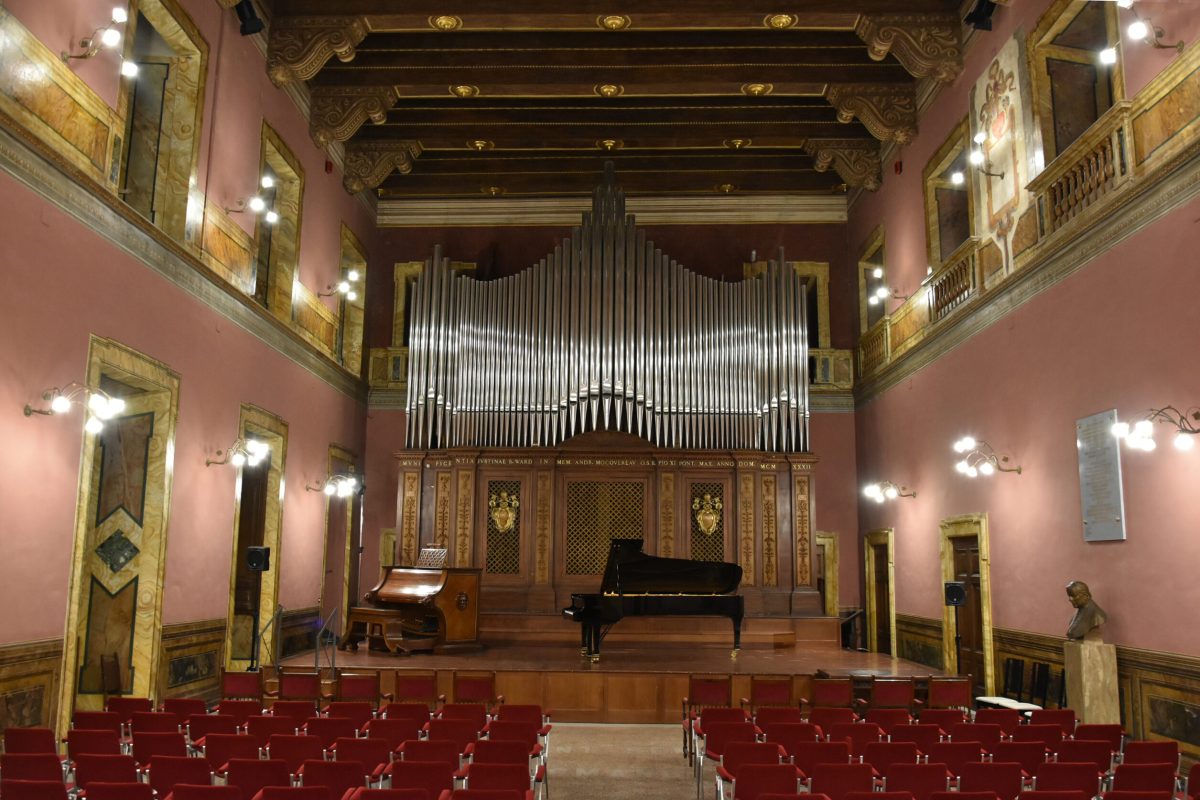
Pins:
x: 638, y: 585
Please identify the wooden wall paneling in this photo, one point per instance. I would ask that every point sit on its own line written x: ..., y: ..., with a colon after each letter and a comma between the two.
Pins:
x: 192, y: 660
x: 30, y: 673
x: 464, y: 510
x: 408, y: 509
x: 748, y: 527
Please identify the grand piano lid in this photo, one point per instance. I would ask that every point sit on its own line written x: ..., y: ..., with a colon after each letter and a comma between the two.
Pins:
x: 408, y: 585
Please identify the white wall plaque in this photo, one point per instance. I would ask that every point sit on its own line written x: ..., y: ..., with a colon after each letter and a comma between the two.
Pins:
x: 1101, y: 494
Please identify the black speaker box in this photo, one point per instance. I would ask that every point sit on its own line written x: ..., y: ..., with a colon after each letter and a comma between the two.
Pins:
x: 956, y: 593
x: 258, y: 559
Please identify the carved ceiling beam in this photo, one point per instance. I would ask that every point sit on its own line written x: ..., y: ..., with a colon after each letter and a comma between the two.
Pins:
x: 299, y: 46
x: 368, y: 164
x: 336, y: 113
x: 889, y: 111
x: 927, y: 45
x: 855, y: 160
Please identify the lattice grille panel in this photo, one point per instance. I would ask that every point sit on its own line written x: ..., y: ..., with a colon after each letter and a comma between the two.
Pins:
x: 597, y: 513
x: 503, y: 527
x: 708, y: 500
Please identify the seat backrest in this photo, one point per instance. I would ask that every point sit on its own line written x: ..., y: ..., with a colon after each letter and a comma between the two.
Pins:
x: 1005, y: 778
x: 31, y: 766
x: 857, y: 733
x: 251, y: 775
x: 412, y: 685
x: 709, y: 690
x: 414, y: 711
x: 882, y: 755
x: 103, y: 742
x: 713, y: 714
x: 294, y: 793
x: 1145, y: 777
x: 263, y: 728
x: 1054, y: 776
x: 15, y: 789
x: 368, y: 752
x: 771, y: 715
x: 892, y: 693
x: 1050, y: 735
x: 358, y: 686
x: 949, y: 693
x: 518, y: 712
x: 1155, y: 752
x: 29, y: 740
x: 124, y: 790
x: 514, y: 731
x: 1030, y: 755
x: 240, y: 710
x: 97, y: 721
x: 1112, y: 734
x: 955, y: 754
x: 964, y: 796
x: 124, y: 707
x: 831, y: 693
x: 920, y: 779
x: 201, y: 725
x: 492, y: 752
x: 826, y: 717
x: 835, y: 780
x: 443, y: 752
x: 298, y: 710
x: 474, y: 687
x: 184, y: 707
x: 154, y: 722
x: 241, y: 685
x: 460, y: 731
x: 888, y: 718
x: 809, y: 754
x: 944, y: 718
x: 789, y: 734
x: 166, y: 771
x: 772, y: 690
x: 219, y: 748
x: 111, y: 769
x: 299, y: 685
x: 924, y: 736
x: 1193, y: 780
x: 497, y: 776
x: 738, y: 754
x: 1061, y: 794
x: 360, y: 711
x: 484, y: 794
x: 148, y: 745
x: 987, y: 734
x: 393, y: 731
x: 754, y: 780
x: 1129, y: 794
x: 888, y: 795
x: 1009, y: 719
x: 337, y: 776
x: 476, y: 712
x: 719, y: 734
x: 1091, y: 751
x: 294, y: 750
x: 433, y: 776
x: 393, y: 794
x: 1063, y: 717
x: 329, y: 729
x: 199, y: 791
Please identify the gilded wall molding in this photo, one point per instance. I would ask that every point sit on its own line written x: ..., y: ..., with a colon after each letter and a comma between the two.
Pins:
x: 542, y: 528
x: 770, y: 534
x: 666, y: 512
x: 464, y: 515
x: 409, y: 518
x: 441, y: 511
x: 368, y: 164
x: 745, y: 516
x: 856, y: 161
x: 338, y: 112
x: 888, y: 111
x: 926, y: 45
x: 299, y: 46
x: 802, y: 528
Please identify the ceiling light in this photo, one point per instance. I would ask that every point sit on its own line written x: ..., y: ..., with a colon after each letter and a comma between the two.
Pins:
x: 1140, y: 435
x: 120, y: 15
x: 343, y: 286
x: 61, y: 404
x: 110, y: 37
x: 872, y: 300
x: 1108, y: 55
x: 243, y: 452
x: 1184, y: 442
x: 352, y: 296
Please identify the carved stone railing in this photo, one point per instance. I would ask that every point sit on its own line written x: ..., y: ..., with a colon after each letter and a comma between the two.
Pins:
x: 388, y: 368
x: 1095, y: 165
x: 831, y: 370
x: 955, y: 282
x: 874, y: 347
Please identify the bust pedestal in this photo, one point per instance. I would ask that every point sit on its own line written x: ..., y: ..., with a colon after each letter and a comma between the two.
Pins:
x: 1091, y: 667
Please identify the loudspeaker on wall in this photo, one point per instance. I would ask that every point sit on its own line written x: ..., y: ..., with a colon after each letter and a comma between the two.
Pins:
x: 258, y: 559
x: 956, y: 593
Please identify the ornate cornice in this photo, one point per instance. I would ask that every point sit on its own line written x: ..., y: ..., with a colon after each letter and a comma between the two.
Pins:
x: 889, y: 111
x: 337, y: 112
x: 855, y: 160
x: 299, y: 46
x: 926, y: 45
x: 368, y: 164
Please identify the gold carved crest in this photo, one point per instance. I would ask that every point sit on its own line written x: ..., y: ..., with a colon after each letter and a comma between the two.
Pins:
x: 708, y: 513
x: 504, y: 510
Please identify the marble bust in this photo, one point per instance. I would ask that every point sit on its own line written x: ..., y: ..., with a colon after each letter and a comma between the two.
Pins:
x: 1088, y: 616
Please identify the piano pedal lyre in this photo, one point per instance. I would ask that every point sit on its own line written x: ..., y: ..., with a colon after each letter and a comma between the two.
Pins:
x: 734, y: 653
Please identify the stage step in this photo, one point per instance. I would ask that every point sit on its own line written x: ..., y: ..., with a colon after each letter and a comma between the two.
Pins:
x: 511, y: 628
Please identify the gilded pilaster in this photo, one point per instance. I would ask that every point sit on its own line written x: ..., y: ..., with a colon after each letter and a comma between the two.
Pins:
x: 770, y: 532
x: 745, y: 514
x: 542, y: 525
x: 666, y: 515
x: 463, y: 515
x: 802, y: 528
x: 441, y: 511
x: 409, y: 517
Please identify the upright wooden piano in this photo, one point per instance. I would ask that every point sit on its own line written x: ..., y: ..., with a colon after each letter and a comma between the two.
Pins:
x: 415, y: 608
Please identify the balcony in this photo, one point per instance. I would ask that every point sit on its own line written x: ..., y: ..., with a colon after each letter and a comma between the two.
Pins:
x: 955, y: 282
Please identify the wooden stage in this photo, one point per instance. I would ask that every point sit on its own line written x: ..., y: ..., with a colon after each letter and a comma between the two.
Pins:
x: 644, y: 666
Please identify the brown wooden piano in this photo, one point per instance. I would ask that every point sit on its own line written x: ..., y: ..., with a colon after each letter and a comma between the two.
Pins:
x: 415, y: 608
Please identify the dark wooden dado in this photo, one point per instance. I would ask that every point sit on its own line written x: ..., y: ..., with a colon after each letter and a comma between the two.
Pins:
x: 766, y: 516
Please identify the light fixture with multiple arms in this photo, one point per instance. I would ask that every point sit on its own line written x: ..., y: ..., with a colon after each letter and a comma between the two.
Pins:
x: 101, y: 405
x: 339, y: 485
x: 257, y: 204
x: 883, y: 292
x: 978, y: 159
x: 1140, y: 434
x: 242, y: 453
x: 104, y: 37
x: 344, y: 287
x: 886, y: 490
x: 978, y: 458
x: 1140, y: 30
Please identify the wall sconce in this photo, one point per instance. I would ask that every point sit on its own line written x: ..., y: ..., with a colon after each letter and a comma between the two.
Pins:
x: 105, y: 36
x: 977, y: 158
x: 886, y: 490
x: 1140, y: 435
x: 344, y: 287
x: 100, y: 405
x: 256, y: 204
x: 978, y: 458
x: 339, y: 485
x: 883, y: 292
x: 1143, y: 30
x: 243, y: 452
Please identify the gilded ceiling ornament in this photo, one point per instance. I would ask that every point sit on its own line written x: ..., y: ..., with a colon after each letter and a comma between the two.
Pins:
x: 492, y: 191
x: 299, y: 46
x: 368, y: 164
x: 336, y: 113
x: 779, y: 21
x: 480, y: 144
x: 736, y: 144
x: 463, y: 90
x: 610, y: 144
x: 757, y: 89
x: 726, y: 188
x: 926, y: 45
x: 445, y: 23
x: 887, y: 110
x: 614, y: 22
x: 609, y: 90
x: 856, y: 161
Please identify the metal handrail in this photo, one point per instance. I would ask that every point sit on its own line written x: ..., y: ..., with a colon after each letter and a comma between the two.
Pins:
x: 327, y: 625
x: 275, y: 618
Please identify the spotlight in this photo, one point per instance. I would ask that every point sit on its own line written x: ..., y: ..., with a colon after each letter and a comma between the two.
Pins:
x: 251, y: 24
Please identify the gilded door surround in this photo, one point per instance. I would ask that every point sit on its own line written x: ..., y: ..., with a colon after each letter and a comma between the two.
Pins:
x: 335, y: 463
x: 964, y: 526
x: 260, y: 424
x: 156, y: 390
x: 832, y: 561
x: 887, y: 537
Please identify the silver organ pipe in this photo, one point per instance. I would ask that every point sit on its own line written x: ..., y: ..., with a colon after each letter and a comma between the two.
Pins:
x: 608, y: 333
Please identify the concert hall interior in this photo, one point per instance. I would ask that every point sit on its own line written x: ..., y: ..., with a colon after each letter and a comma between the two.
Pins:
x: 838, y: 307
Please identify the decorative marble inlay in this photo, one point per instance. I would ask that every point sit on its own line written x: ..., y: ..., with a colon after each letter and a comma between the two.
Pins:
x: 408, y: 526
x: 116, y: 551
x: 770, y: 570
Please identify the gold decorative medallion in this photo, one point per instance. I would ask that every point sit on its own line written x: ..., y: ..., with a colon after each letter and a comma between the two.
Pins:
x: 493, y: 191
x: 708, y: 514
x: 445, y: 23
x: 610, y: 144
x: 614, y: 22
x: 726, y: 188
x: 736, y: 144
x: 779, y: 21
x: 757, y: 89
x: 463, y: 90
x: 504, y: 510
x: 610, y: 90
x: 480, y: 144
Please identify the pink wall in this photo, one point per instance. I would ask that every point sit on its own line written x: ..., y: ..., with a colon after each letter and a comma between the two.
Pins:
x: 385, y: 435
x: 73, y: 282
x: 835, y: 484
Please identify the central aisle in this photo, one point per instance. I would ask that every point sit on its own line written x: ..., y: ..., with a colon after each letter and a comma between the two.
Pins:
x: 620, y: 762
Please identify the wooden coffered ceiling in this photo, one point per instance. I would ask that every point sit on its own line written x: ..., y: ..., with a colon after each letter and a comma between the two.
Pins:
x: 688, y: 97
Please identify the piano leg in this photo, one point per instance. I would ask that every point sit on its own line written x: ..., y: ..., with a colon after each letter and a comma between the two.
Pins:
x: 584, y: 646
x: 737, y: 633
x: 594, y: 643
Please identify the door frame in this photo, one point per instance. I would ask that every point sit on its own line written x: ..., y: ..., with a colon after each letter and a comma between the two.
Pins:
x: 339, y: 453
x: 830, y: 542
x: 884, y: 536
x: 961, y: 527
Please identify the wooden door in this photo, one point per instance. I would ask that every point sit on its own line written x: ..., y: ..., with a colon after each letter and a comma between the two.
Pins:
x: 819, y: 572
x: 970, y: 615
x: 883, y: 611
